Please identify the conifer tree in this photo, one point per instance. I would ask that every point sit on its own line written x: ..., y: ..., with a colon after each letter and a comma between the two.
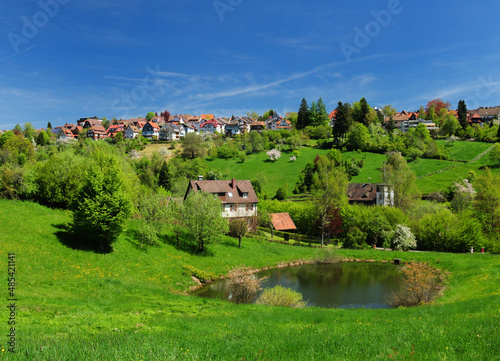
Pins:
x: 303, y: 115
x: 462, y: 114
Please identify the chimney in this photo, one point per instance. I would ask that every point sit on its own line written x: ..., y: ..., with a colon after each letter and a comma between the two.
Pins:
x: 234, y: 184
x: 200, y: 177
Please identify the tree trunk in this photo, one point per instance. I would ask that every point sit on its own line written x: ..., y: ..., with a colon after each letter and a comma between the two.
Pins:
x: 239, y: 245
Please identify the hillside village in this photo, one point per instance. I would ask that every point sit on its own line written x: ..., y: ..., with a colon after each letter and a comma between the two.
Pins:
x: 166, y: 127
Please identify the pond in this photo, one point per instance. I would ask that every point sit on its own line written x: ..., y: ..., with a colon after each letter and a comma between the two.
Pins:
x: 340, y: 285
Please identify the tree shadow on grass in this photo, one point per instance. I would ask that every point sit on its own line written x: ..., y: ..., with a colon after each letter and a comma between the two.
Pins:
x: 79, y: 242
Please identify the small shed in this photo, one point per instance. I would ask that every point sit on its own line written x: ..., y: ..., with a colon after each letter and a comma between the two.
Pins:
x: 282, y: 222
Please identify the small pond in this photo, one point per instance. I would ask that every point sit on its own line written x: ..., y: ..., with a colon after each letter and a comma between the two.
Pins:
x: 341, y: 285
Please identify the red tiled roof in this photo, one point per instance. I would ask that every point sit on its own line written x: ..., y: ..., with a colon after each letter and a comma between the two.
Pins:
x: 282, y: 222
x: 333, y: 114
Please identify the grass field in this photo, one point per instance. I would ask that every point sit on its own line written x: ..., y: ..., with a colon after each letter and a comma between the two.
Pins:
x: 285, y: 172
x: 128, y: 304
x: 278, y: 173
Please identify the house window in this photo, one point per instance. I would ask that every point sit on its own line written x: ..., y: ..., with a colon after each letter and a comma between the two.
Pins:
x: 230, y: 195
x: 245, y: 195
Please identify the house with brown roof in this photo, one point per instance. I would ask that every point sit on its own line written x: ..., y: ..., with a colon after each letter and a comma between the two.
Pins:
x: 237, y: 196
x: 96, y: 132
x: 92, y: 123
x: 370, y: 194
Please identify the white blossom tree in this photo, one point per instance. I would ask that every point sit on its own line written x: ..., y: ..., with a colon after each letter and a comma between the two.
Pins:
x: 274, y: 154
x: 404, y: 238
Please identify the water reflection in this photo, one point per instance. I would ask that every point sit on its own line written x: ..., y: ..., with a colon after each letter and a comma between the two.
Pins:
x: 342, y: 285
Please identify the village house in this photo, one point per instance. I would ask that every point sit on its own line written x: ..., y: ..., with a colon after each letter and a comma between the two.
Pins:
x: 237, y: 196
x: 170, y: 132
x: 370, y: 194
x: 151, y: 130
x: 132, y: 132
x: 96, y: 132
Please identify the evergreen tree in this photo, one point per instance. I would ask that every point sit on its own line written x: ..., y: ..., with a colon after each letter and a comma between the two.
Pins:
x: 319, y: 115
x: 164, y: 177
x: 49, y: 125
x: 364, y: 110
x: 462, y: 114
x: 303, y: 115
x: 342, y: 120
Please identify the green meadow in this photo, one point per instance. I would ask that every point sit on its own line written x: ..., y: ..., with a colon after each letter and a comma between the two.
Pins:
x: 284, y: 172
x: 131, y: 304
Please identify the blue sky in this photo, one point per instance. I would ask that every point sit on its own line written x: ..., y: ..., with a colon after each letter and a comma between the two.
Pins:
x: 65, y: 59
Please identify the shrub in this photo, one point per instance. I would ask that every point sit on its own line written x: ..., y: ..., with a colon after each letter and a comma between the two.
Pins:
x: 421, y: 284
x: 355, y: 238
x: 274, y: 154
x: 403, y: 238
x: 203, y: 276
x: 281, y: 296
x: 244, y: 285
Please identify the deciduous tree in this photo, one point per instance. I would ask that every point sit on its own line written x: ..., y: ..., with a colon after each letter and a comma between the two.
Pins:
x: 202, y: 218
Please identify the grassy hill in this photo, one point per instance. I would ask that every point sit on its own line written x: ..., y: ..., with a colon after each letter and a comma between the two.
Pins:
x: 129, y: 304
x: 285, y: 172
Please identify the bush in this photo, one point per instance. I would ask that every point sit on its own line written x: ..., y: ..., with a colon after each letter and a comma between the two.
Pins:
x: 403, y: 238
x: 201, y: 275
x: 243, y: 285
x: 421, y: 283
x: 355, y: 238
x: 281, y: 296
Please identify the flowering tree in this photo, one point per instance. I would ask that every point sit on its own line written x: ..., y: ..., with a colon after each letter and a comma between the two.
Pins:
x: 464, y: 195
x: 274, y: 154
x: 403, y: 238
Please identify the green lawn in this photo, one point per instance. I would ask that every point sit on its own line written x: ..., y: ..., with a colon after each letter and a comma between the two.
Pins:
x: 276, y: 174
x: 465, y: 150
x: 128, y: 304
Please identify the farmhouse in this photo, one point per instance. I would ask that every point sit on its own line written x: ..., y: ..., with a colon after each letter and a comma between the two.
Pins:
x: 370, y: 194
x: 237, y: 196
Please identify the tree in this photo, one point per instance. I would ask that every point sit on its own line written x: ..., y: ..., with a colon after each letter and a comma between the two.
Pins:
x: 150, y: 116
x: 361, y: 111
x: 330, y: 190
x: 388, y: 110
x: 437, y: 104
x: 118, y: 137
x: 29, y: 131
x: 495, y: 153
x: 421, y: 113
x: 273, y: 154
x: 105, y: 122
x: 488, y: 201
x: 267, y: 114
x: 303, y: 115
x: 102, y: 206
x: 342, y: 120
x: 402, y: 180
x: 153, y: 211
x: 42, y: 138
x: 49, y: 125
x: 318, y: 114
x: 450, y: 125
x: 358, y: 136
x: 253, y: 115
x: 202, y: 219
x: 166, y: 115
x: 391, y: 125
x: 165, y: 177
x: 238, y: 228
x: 403, y: 238
x: 292, y: 118
x: 193, y: 146
x: 462, y: 114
